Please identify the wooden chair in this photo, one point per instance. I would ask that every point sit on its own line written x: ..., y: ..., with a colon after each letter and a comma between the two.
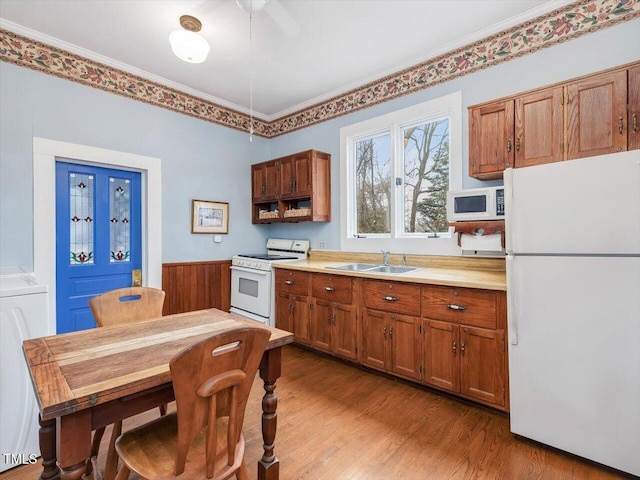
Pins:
x: 211, y: 380
x: 120, y: 307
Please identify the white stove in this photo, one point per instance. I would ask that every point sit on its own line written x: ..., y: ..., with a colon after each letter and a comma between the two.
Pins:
x: 252, y: 283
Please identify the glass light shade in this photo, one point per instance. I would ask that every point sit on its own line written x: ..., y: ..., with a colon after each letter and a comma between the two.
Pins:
x: 189, y: 46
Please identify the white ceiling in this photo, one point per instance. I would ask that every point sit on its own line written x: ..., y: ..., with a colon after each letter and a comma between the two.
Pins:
x: 338, y: 45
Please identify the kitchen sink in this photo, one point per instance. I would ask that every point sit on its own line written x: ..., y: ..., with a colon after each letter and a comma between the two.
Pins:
x: 392, y: 269
x: 355, y: 267
x: 373, y: 268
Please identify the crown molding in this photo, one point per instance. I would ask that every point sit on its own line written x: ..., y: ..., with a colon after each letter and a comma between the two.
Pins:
x: 37, y: 51
x: 448, y: 47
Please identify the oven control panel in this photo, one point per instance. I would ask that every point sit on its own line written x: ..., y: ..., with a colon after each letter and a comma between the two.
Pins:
x: 250, y: 263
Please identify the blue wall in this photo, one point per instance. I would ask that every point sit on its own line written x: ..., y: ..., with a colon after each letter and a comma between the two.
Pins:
x: 598, y: 51
x: 201, y: 160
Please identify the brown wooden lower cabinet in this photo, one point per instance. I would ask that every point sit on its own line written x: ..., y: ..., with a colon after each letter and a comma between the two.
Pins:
x: 466, y: 360
x: 445, y: 337
x: 392, y: 342
x: 334, y: 320
x: 292, y: 314
x: 334, y: 328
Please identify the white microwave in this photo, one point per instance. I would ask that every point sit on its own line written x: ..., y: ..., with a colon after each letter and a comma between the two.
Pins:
x: 485, y: 203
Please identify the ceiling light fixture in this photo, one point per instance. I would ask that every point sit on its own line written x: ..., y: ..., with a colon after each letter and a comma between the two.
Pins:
x: 186, y: 44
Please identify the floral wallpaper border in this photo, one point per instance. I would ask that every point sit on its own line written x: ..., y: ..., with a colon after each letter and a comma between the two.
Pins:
x: 574, y: 20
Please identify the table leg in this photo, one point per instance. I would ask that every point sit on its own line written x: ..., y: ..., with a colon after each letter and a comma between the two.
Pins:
x: 73, y: 443
x: 270, y: 368
x: 47, y: 439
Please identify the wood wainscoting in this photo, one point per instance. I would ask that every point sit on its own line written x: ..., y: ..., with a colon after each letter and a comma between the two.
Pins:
x: 196, y: 285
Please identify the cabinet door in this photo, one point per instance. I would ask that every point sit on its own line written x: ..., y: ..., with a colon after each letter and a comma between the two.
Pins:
x: 441, y: 355
x: 491, y: 139
x: 374, y: 334
x: 597, y: 113
x: 271, y: 180
x: 406, y: 345
x: 300, y: 319
x: 258, y: 188
x: 321, y: 321
x: 286, y: 176
x: 482, y: 364
x: 634, y: 108
x: 539, y: 128
x: 345, y: 331
x: 284, y: 307
x: 302, y: 175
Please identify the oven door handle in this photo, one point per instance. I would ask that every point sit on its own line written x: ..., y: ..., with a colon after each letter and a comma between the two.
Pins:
x: 250, y: 270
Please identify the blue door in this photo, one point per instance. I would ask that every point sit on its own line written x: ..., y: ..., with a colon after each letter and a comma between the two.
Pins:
x: 98, y: 238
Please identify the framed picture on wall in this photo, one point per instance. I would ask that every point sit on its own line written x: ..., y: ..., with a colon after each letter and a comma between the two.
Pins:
x: 209, y: 217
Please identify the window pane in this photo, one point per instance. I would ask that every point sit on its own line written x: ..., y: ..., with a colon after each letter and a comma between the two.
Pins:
x: 426, y: 177
x: 81, y: 218
x: 373, y: 184
x: 120, y: 218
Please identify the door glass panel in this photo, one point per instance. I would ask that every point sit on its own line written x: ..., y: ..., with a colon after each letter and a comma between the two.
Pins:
x: 81, y: 189
x: 120, y: 218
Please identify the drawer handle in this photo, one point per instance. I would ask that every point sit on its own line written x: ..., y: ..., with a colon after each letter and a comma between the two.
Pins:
x: 389, y: 298
x: 453, y: 306
x: 289, y: 282
x: 329, y: 289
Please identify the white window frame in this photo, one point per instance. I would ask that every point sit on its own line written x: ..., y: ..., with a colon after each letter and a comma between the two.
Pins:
x: 393, y: 123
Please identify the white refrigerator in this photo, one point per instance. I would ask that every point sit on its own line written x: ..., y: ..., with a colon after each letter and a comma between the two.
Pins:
x: 573, y: 290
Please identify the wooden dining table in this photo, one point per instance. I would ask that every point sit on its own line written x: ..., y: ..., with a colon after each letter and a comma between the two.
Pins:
x: 89, y: 379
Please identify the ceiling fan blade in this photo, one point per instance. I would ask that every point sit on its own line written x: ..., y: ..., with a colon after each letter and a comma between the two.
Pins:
x: 282, y: 17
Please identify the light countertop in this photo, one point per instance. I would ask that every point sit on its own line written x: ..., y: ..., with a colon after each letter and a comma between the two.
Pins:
x: 490, y: 279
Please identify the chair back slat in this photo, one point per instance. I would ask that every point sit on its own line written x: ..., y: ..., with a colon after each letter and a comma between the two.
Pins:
x: 127, y: 305
x: 212, y: 379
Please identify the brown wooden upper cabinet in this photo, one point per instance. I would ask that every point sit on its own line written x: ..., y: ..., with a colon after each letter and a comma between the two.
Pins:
x: 294, y: 188
x: 295, y: 175
x: 596, y: 115
x: 539, y: 129
x: 575, y: 119
x: 264, y: 179
x: 491, y: 139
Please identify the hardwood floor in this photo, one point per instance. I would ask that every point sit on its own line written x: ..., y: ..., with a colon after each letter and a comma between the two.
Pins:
x: 337, y: 422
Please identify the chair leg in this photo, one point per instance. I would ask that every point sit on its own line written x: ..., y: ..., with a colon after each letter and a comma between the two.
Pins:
x: 111, y: 464
x: 123, y: 474
x: 242, y: 473
x: 163, y: 409
x: 95, y: 448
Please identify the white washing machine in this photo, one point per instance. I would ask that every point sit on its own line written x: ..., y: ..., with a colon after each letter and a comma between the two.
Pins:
x: 23, y: 315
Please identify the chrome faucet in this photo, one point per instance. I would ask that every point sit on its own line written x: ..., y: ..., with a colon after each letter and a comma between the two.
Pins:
x: 404, y: 259
x: 385, y: 257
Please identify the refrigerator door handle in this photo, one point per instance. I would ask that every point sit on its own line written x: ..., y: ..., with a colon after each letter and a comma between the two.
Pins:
x: 512, y: 325
x: 508, y: 208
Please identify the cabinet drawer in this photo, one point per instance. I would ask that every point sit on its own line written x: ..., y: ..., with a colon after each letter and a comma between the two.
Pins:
x: 335, y: 288
x: 392, y: 296
x: 291, y: 281
x: 461, y: 305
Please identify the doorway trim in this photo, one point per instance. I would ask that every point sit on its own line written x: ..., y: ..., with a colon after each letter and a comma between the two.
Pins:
x: 45, y: 153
